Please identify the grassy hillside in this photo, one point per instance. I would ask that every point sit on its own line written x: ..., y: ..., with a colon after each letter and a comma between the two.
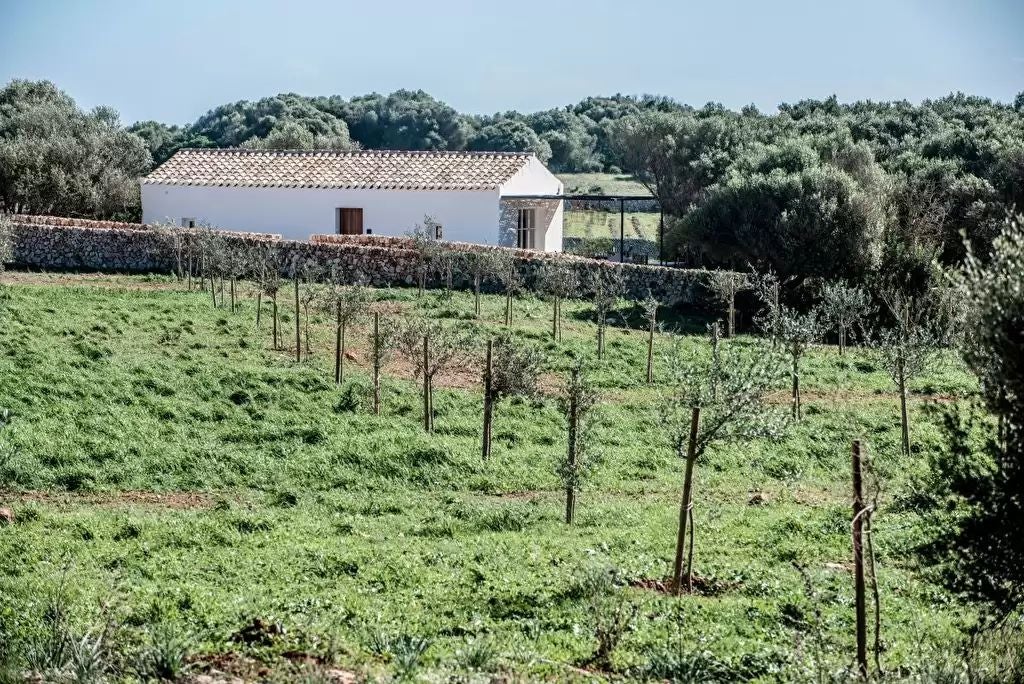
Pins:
x: 219, y: 506
x: 601, y: 184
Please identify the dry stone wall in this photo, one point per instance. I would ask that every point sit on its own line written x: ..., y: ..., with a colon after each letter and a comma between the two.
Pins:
x: 76, y: 244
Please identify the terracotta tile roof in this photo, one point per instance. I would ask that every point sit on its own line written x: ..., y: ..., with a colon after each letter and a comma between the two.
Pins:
x: 371, y: 169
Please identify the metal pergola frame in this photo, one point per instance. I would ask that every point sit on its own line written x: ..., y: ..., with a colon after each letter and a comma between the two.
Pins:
x: 621, y: 199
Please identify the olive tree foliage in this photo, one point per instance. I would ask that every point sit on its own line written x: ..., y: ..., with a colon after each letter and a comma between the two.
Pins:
x: 767, y: 287
x: 910, y: 346
x: 512, y: 367
x: 346, y: 304
x: 506, y: 272
x: 57, y: 159
x: 797, y: 332
x: 6, y: 241
x: 425, y: 248
x: 432, y: 348
x: 605, y: 286
x: 976, y: 486
x: 723, y: 287
x: 649, y: 307
x: 844, y: 307
x: 482, y: 265
x: 268, y: 261
x: 578, y: 399
x: 559, y: 281
x: 709, y: 401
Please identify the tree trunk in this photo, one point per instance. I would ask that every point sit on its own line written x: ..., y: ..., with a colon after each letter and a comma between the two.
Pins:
x: 842, y: 340
x: 796, y: 393
x: 488, y: 401
x: 558, y: 316
x: 190, y: 265
x: 275, y: 321
x: 213, y: 291
x: 476, y: 295
x: 731, y: 322
x: 554, y: 318
x: 376, y: 363
x: 686, y: 504
x: 860, y: 604
x: 650, y: 354
x: 426, y: 384
x: 904, y: 414
x: 259, y: 306
x: 232, y: 294
x: 600, y: 341
x: 337, y: 343
x: 508, y: 308
x: 298, y: 340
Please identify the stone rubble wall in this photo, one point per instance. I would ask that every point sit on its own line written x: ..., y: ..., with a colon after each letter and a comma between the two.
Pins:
x: 76, y: 244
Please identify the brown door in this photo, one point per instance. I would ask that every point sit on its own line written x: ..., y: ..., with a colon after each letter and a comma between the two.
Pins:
x: 350, y: 221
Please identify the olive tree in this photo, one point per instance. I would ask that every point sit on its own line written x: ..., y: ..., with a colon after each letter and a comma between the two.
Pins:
x: 909, y: 347
x: 432, y: 348
x: 268, y: 262
x: 482, y: 265
x: 507, y: 274
x: 797, y: 331
x: 694, y: 416
x: 424, y: 248
x: 768, y: 289
x: 723, y: 287
x: 605, y: 285
x: 381, y: 342
x: 578, y: 400
x: 511, y: 368
x: 309, y: 297
x: 348, y: 303
x: 649, y: 306
x: 558, y: 280
x: 844, y: 306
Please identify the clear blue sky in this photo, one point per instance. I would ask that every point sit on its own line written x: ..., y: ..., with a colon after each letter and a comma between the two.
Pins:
x: 174, y: 60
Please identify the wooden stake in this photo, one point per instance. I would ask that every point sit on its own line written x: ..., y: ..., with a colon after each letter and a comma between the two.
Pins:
x: 488, y: 403
x: 298, y: 340
x: 376, y: 363
x: 858, y: 562
x: 686, y: 504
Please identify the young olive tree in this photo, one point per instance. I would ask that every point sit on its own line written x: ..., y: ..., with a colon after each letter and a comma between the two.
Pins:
x: 432, y: 348
x: 649, y: 306
x: 578, y: 399
x: 797, y: 331
x: 768, y: 289
x: 559, y: 281
x: 425, y: 247
x: 445, y: 261
x: 511, y: 368
x: 482, y: 265
x: 605, y: 285
x: 348, y: 303
x: 724, y: 286
x: 910, y: 347
x: 236, y: 262
x: 268, y: 264
x: 694, y: 417
x: 507, y: 273
x: 844, y: 306
x: 381, y: 343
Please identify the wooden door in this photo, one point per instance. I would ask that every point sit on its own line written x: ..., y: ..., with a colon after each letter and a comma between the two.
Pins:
x: 350, y: 221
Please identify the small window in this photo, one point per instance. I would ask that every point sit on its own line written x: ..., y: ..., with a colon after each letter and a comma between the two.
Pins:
x: 526, y: 229
x: 350, y: 221
x: 188, y: 223
x: 438, y: 231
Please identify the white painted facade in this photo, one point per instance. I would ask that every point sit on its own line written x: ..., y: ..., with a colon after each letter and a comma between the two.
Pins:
x: 477, y: 216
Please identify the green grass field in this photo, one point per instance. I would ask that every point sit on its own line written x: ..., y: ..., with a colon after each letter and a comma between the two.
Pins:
x: 601, y: 184
x: 201, y: 500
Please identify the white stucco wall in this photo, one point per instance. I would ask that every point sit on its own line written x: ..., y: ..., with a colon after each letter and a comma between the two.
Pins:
x: 297, y: 213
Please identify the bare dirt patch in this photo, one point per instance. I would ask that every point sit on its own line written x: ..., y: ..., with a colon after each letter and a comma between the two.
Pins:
x: 172, y: 500
x: 699, y: 586
x: 102, y: 280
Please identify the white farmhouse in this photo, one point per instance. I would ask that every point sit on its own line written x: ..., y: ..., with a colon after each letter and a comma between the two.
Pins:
x: 494, y: 198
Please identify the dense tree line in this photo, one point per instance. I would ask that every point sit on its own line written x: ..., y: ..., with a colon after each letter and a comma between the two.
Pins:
x: 817, y: 188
